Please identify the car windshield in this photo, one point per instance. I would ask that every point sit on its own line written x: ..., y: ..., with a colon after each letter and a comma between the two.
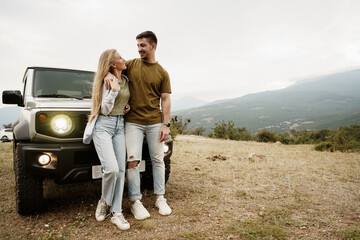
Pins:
x: 57, y: 83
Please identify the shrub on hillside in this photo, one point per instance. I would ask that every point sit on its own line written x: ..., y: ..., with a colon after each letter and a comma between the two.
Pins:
x: 344, y: 139
x: 347, y: 138
x: 266, y: 136
x: 178, y: 126
x: 229, y: 131
x: 305, y: 136
x: 324, y: 146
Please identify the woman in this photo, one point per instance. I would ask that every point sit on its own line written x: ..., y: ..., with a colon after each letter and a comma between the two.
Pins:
x: 106, y: 128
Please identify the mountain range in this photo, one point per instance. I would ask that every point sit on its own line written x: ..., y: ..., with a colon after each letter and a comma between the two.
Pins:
x: 325, y: 102
x: 186, y: 103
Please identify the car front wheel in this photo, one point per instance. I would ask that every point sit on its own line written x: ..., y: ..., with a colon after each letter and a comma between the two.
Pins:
x: 29, y: 188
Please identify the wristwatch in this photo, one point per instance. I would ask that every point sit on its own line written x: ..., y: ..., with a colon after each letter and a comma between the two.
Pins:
x: 166, y: 124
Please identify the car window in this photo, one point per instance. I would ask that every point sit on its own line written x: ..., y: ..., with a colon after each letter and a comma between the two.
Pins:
x: 62, y: 83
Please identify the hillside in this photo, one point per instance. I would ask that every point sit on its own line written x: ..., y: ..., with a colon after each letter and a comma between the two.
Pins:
x: 327, y: 102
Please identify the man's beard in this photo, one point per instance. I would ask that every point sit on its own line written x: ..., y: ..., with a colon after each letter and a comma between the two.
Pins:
x: 143, y: 56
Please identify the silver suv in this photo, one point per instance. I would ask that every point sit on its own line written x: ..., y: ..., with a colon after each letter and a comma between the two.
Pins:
x: 48, y: 134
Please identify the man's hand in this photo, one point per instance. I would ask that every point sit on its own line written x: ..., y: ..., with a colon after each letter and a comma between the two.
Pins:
x: 127, y: 108
x: 107, y: 80
x: 164, y: 133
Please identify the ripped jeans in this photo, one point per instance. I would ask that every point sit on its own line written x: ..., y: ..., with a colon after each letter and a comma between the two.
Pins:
x: 134, y: 134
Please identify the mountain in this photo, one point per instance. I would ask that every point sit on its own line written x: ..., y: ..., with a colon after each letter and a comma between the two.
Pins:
x: 8, y: 115
x: 325, y: 102
x: 186, y: 103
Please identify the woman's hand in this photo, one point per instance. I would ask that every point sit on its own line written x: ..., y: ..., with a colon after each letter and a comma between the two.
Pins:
x: 114, y: 84
x: 127, y: 108
x: 107, y: 80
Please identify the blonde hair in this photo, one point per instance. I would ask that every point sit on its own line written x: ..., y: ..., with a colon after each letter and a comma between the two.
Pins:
x: 107, y: 58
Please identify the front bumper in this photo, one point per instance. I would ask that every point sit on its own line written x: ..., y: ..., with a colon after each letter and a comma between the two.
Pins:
x: 70, y: 163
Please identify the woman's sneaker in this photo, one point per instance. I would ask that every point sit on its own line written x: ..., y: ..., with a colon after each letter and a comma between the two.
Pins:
x: 119, y: 220
x: 139, y: 211
x: 164, y: 208
x: 100, y: 213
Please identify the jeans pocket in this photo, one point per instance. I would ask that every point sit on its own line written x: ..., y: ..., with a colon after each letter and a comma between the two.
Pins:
x: 104, y: 123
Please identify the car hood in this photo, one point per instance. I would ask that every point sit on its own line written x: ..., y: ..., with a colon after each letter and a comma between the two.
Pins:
x: 70, y: 103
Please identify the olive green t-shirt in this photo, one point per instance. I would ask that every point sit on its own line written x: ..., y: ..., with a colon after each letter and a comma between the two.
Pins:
x: 122, y: 98
x: 147, y: 82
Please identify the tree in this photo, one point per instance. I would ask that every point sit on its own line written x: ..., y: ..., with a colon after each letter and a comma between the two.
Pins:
x: 178, y: 126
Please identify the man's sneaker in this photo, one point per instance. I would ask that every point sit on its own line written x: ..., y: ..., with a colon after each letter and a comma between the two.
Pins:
x: 139, y: 211
x: 119, y: 220
x: 100, y: 213
x: 164, y: 208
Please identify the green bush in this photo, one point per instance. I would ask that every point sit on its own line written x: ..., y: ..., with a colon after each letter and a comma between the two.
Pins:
x: 266, y: 136
x: 178, y: 126
x: 229, y: 131
x: 324, y: 146
x: 347, y: 138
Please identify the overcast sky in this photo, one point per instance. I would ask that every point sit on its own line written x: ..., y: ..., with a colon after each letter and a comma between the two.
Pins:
x: 212, y: 49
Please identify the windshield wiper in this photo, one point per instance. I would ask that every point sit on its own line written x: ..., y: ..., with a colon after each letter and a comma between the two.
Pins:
x: 55, y: 95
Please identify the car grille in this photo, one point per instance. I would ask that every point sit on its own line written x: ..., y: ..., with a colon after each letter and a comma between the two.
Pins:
x: 86, y: 158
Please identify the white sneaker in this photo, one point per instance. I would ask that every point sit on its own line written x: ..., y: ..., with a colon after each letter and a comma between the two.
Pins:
x: 164, y: 208
x: 139, y: 211
x: 100, y: 213
x: 119, y: 220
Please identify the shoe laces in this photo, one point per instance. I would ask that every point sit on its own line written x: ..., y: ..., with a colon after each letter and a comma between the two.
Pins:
x: 138, y: 204
x: 108, y: 215
x: 161, y: 200
x: 120, y: 217
x: 103, y: 209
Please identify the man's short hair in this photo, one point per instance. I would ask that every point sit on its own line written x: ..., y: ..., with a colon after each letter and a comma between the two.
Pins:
x: 149, y: 35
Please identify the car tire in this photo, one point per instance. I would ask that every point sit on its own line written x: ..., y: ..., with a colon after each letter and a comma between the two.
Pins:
x: 29, y: 188
x: 147, y: 180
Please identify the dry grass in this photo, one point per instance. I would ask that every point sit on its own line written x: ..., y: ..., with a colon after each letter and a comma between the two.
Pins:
x: 293, y: 193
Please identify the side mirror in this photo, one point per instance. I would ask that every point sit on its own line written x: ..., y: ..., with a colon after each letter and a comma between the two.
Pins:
x: 12, y: 97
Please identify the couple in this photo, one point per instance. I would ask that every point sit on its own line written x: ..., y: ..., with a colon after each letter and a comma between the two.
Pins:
x: 147, y: 82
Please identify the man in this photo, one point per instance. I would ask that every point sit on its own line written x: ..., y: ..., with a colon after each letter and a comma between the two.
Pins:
x: 149, y: 82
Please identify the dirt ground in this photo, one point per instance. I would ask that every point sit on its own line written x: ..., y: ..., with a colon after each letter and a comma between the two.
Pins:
x: 218, y: 189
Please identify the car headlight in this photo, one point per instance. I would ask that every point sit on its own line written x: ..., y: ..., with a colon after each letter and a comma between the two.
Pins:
x: 44, y: 159
x: 61, y: 124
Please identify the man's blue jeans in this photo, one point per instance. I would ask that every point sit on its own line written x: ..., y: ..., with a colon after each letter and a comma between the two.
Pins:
x: 134, y: 134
